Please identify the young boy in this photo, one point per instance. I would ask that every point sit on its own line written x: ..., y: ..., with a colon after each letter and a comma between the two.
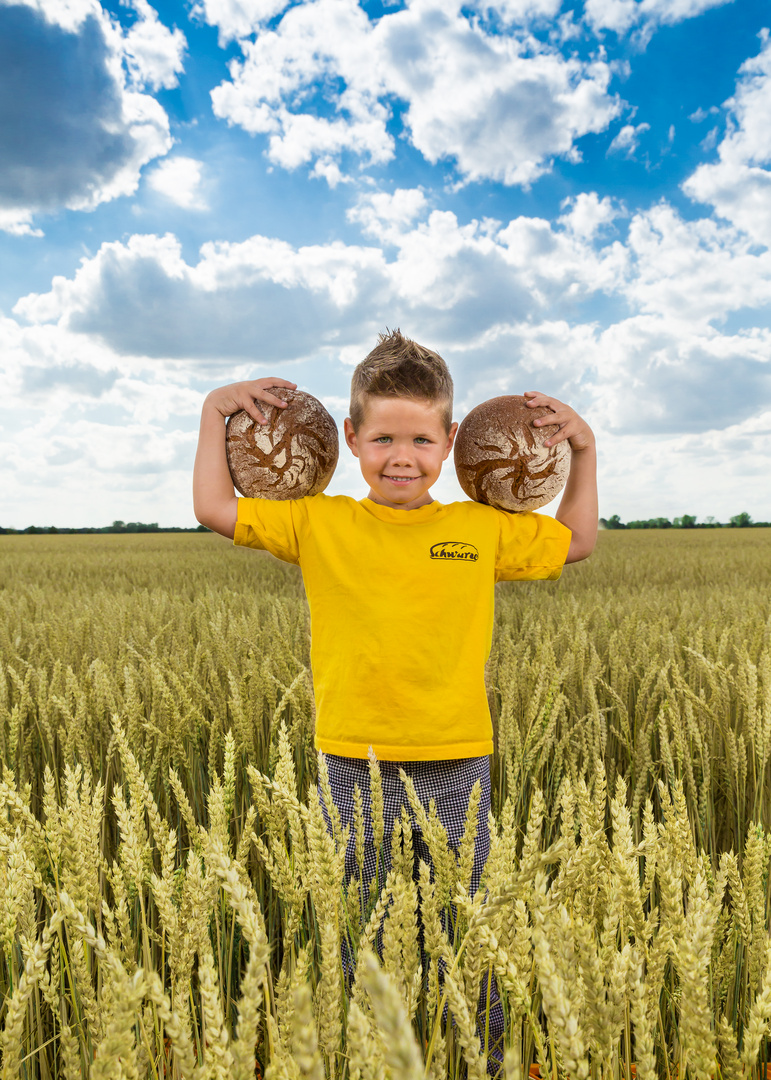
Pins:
x: 399, y: 634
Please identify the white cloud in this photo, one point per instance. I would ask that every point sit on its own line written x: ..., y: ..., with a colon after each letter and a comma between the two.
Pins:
x: 154, y: 54
x: 386, y: 215
x: 487, y: 295
x: 18, y: 223
x: 719, y: 472
x: 84, y: 140
x: 645, y: 15
x: 587, y: 214
x: 67, y: 14
x: 697, y: 270
x: 178, y: 178
x: 709, y: 142
x: 500, y: 107
x: 738, y: 185
x: 663, y: 374
x: 111, y: 438
x: 237, y: 19
x: 142, y: 297
x: 508, y: 303
x: 518, y: 11
x: 700, y: 114
x: 628, y: 139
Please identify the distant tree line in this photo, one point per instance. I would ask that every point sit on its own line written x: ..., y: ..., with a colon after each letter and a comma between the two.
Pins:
x: 687, y: 521
x: 116, y: 527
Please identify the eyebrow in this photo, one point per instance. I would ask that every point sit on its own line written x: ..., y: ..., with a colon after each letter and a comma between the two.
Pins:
x: 419, y: 435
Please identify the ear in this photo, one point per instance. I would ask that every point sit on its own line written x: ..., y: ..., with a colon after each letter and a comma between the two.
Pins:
x: 450, y: 440
x: 350, y: 437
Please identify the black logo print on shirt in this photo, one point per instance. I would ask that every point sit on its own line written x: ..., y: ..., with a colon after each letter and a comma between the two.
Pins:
x: 455, y: 551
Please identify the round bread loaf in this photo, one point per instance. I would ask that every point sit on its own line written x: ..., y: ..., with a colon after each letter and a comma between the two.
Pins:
x: 293, y: 455
x: 500, y: 458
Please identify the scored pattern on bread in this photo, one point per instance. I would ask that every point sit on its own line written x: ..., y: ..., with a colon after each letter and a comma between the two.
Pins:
x: 500, y: 458
x: 291, y: 456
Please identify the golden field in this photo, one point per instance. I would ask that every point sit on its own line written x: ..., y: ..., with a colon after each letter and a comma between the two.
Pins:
x: 171, y: 904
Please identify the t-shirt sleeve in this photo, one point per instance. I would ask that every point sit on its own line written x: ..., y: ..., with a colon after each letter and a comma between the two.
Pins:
x: 531, y: 547
x: 271, y: 524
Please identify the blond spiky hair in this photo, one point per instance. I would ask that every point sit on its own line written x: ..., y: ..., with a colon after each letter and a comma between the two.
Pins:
x: 399, y: 367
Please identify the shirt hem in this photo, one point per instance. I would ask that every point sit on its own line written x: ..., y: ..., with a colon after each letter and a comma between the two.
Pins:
x: 391, y: 752
x: 241, y: 535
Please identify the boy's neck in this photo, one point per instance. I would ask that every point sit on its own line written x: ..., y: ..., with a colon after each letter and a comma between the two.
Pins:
x: 425, y: 500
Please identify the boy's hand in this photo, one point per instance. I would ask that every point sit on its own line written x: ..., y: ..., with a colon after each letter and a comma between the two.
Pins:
x: 571, y: 426
x: 245, y: 395
x: 578, y: 506
x: 214, y: 500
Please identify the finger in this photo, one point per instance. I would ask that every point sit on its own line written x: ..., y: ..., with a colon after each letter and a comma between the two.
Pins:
x: 261, y: 390
x: 269, y: 380
x: 559, y: 436
x: 249, y: 406
x: 271, y: 399
x: 557, y: 417
x: 541, y: 401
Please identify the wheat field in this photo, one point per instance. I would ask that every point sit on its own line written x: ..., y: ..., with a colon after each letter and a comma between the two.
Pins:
x: 172, y: 904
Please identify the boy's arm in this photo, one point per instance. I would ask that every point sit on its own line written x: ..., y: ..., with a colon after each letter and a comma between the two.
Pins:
x: 214, y: 501
x: 578, y: 508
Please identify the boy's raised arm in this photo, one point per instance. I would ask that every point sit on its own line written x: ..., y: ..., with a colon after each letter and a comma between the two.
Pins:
x: 578, y: 508
x: 214, y: 500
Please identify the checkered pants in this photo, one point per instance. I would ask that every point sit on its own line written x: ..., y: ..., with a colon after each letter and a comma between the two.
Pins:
x: 449, y: 784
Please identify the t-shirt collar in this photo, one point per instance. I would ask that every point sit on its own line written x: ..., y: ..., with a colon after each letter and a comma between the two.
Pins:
x: 402, y: 517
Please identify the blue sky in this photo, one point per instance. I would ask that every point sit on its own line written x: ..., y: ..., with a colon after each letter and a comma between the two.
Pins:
x: 571, y: 197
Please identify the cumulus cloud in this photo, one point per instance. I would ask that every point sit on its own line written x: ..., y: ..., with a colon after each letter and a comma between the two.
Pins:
x: 18, y: 222
x: 644, y: 16
x: 661, y: 374
x: 628, y: 139
x: 738, y: 185
x: 77, y: 131
x: 143, y: 298
x: 322, y: 82
x: 506, y: 301
x: 699, y: 270
x: 153, y: 53
x: 83, y: 378
x: 718, y: 472
x: 486, y: 294
x: 518, y: 11
x: 178, y: 178
x: 238, y: 18
x: 99, y: 472
x: 586, y: 213
x: 386, y: 215
x: 103, y: 437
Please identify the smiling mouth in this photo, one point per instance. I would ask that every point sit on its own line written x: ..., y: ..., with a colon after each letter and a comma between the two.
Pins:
x: 400, y: 479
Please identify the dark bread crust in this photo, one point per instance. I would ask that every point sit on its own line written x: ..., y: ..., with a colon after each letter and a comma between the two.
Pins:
x: 500, y: 458
x: 291, y: 456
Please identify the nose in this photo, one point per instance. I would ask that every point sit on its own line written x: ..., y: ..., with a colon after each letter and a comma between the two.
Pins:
x: 402, y: 453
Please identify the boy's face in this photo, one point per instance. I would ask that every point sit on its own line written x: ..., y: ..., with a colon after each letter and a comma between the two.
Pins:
x: 400, y: 444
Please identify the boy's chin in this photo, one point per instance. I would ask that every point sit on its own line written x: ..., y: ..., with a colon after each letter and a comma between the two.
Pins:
x: 401, y: 492
x: 392, y: 495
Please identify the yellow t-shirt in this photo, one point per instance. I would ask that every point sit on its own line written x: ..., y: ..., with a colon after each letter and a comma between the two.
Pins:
x: 401, y: 605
